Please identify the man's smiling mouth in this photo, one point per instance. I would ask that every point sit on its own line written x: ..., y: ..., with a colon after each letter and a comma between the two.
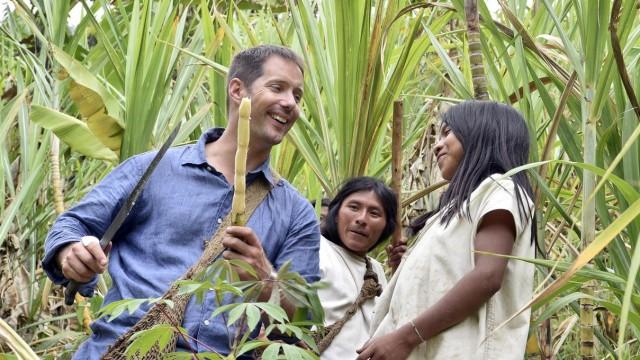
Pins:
x: 279, y: 119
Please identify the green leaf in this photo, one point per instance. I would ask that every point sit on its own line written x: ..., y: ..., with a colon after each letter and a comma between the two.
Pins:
x: 628, y: 292
x: 253, y: 316
x: 83, y: 77
x: 251, y: 345
x: 274, y: 311
x: 116, y: 308
x: 245, y: 266
x: 222, y: 309
x: 73, y: 132
x: 236, y: 313
x: 103, y: 126
x: 272, y: 351
x: 144, y: 340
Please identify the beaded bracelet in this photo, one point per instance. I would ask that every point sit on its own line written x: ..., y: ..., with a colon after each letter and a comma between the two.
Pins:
x: 416, y: 330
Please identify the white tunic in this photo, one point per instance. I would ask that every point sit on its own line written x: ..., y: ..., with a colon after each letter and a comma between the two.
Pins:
x: 440, y: 258
x: 344, y: 273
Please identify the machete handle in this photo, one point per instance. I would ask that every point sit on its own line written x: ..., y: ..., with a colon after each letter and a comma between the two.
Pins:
x: 70, y: 292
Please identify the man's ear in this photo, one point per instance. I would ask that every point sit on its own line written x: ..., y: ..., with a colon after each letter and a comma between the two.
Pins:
x: 236, y: 91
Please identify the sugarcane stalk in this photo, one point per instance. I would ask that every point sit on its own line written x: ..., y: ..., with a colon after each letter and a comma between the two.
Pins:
x: 475, y: 50
x: 58, y: 202
x: 396, y: 165
x: 238, y: 215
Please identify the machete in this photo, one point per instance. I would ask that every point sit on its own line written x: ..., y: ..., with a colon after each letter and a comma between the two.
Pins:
x: 72, y: 286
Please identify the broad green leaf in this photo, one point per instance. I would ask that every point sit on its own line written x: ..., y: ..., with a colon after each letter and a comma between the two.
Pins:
x: 82, y: 76
x: 73, y: 132
x: 103, y: 126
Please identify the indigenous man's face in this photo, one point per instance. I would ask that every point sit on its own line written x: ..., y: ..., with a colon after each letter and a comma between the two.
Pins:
x: 449, y: 152
x: 275, y: 100
x: 361, y: 220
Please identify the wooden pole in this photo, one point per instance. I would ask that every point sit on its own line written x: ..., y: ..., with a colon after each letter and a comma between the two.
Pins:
x: 396, y: 165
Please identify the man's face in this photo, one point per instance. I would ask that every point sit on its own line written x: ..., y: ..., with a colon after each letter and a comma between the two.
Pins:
x: 275, y: 101
x: 361, y: 221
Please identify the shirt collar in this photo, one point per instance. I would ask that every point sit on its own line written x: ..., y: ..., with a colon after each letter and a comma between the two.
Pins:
x: 195, y: 155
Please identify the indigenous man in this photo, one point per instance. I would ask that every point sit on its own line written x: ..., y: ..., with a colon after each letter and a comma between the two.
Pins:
x: 182, y: 205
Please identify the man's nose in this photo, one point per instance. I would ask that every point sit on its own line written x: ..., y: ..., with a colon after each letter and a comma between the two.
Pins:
x: 288, y: 100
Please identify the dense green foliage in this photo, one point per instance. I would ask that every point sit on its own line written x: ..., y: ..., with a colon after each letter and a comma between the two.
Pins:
x: 112, y: 83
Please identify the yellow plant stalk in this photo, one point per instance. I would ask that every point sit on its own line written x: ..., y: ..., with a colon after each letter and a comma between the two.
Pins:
x: 17, y: 344
x: 240, y: 183
x: 58, y: 201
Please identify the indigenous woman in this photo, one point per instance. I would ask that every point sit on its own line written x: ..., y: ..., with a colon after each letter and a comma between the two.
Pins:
x: 449, y: 297
x: 361, y: 215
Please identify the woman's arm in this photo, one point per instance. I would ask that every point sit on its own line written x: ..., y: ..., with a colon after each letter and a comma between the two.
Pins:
x: 496, y: 234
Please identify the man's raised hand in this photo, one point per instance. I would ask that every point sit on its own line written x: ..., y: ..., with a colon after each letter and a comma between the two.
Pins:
x: 241, y: 243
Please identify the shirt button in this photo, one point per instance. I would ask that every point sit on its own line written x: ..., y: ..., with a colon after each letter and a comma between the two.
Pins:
x: 206, y: 322
x: 219, y: 220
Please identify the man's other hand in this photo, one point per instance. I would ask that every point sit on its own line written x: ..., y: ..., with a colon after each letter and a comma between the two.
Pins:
x: 241, y: 243
x: 80, y: 262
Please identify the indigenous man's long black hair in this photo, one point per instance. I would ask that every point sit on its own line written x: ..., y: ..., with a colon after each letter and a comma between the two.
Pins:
x: 387, y: 198
x: 495, y: 139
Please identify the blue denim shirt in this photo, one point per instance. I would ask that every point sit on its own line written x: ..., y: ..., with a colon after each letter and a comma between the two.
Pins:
x: 165, y: 233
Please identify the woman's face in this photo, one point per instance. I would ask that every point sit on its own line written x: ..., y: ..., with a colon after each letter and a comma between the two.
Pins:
x: 361, y: 220
x: 448, y: 151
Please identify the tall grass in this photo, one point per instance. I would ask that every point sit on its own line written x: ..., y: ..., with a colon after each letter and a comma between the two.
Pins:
x: 555, y: 61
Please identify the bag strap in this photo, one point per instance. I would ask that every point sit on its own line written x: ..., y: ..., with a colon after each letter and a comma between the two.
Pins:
x: 370, y: 289
x: 160, y: 312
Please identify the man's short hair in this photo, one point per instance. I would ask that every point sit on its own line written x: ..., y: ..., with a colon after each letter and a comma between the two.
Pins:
x: 247, y: 64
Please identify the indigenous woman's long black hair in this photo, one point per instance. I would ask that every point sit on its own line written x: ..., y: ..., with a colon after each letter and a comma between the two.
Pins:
x: 387, y: 198
x: 495, y: 139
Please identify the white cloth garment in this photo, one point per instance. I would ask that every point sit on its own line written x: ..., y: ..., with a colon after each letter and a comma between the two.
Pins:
x: 440, y: 258
x: 344, y: 272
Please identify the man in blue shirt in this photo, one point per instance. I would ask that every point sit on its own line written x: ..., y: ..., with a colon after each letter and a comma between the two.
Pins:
x: 183, y: 203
